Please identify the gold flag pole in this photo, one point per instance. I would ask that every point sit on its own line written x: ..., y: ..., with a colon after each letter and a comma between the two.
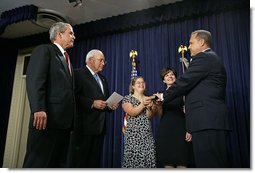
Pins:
x: 182, y: 50
x: 133, y: 54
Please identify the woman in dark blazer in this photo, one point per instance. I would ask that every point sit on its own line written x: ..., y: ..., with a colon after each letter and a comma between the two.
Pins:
x: 174, y: 148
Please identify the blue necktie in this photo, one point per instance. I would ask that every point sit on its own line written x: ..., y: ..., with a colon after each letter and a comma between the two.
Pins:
x: 97, y: 78
x: 98, y: 81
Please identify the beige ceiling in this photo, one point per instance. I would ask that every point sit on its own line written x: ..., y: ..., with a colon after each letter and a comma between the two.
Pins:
x: 90, y: 10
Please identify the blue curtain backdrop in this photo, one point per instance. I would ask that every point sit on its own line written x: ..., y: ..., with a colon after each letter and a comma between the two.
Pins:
x: 157, y: 47
x: 156, y: 34
x: 16, y: 15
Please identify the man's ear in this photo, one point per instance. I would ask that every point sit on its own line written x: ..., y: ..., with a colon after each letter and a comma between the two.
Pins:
x: 58, y: 35
x: 202, y: 42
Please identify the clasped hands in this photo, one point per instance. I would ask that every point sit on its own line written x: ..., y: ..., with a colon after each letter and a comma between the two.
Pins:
x: 149, y: 102
x: 159, y: 96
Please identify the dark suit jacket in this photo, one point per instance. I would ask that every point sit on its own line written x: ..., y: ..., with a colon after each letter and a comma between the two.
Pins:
x: 92, y: 121
x: 204, y: 85
x: 50, y: 87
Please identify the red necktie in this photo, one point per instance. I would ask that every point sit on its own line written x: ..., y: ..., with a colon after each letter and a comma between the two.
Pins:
x: 68, y: 62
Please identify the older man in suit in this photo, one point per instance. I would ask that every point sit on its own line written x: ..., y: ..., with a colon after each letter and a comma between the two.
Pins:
x: 204, y: 85
x: 50, y: 88
x: 91, y: 94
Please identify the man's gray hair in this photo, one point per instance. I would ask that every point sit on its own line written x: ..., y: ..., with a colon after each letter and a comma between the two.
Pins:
x: 91, y: 54
x: 57, y: 27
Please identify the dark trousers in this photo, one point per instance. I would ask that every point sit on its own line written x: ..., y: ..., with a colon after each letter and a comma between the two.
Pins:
x: 86, y: 151
x: 211, y: 148
x: 47, y: 148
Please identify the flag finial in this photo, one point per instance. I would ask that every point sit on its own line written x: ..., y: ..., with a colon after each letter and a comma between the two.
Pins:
x: 133, y: 54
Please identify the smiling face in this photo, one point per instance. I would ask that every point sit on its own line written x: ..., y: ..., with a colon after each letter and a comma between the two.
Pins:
x: 169, y: 78
x: 137, y: 85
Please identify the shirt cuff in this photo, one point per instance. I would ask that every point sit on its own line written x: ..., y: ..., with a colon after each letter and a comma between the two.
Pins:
x: 161, y: 97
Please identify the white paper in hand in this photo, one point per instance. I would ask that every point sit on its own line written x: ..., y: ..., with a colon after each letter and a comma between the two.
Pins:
x: 114, y: 98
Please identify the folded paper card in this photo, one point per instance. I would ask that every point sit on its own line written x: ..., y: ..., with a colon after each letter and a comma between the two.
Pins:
x: 114, y: 98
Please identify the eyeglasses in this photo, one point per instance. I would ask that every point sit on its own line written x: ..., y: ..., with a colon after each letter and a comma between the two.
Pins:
x: 101, y: 60
x: 139, y: 83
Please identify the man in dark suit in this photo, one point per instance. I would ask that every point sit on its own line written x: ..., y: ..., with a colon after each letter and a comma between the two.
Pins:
x: 50, y: 88
x: 204, y: 85
x: 91, y: 94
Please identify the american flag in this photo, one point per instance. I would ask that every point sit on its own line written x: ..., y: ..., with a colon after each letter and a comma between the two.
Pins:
x: 132, y: 55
